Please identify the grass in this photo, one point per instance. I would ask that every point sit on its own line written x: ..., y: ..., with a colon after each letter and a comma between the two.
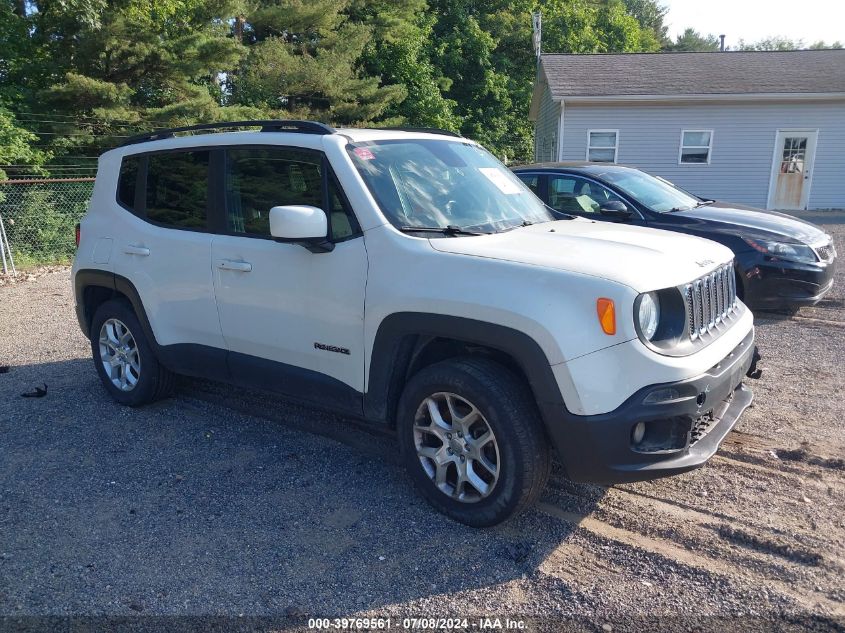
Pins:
x: 26, y: 261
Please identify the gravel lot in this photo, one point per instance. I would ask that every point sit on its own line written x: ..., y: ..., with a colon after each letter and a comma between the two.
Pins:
x: 222, y: 502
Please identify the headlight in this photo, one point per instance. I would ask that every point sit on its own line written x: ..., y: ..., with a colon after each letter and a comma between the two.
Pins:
x: 648, y: 314
x: 784, y: 250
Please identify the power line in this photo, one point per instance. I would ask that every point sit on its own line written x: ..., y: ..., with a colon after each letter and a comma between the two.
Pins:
x: 84, y: 134
x: 75, y: 117
x: 79, y: 122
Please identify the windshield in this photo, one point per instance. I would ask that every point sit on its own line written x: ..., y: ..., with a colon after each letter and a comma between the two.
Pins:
x: 440, y: 184
x: 655, y: 193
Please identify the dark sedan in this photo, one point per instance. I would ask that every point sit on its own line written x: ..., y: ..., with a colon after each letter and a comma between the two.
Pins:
x: 782, y: 262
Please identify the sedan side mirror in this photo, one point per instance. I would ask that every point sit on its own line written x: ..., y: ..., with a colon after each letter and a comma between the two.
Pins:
x: 301, y: 224
x: 615, y: 209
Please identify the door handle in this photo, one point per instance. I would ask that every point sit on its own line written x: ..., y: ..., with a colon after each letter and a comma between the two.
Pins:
x: 231, y: 264
x: 141, y: 251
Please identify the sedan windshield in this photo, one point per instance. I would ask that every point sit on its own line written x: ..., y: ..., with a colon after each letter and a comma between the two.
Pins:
x: 655, y: 193
x: 451, y: 185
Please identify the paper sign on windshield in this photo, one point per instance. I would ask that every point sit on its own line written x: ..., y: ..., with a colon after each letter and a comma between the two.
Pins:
x: 502, y: 182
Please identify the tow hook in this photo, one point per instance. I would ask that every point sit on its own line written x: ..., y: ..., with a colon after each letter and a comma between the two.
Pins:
x: 755, y: 372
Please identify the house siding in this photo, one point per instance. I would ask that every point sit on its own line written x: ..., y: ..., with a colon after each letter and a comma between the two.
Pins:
x: 546, y: 128
x: 742, y: 150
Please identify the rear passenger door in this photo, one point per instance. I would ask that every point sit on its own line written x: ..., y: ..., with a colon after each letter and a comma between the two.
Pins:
x: 292, y: 320
x: 163, y: 246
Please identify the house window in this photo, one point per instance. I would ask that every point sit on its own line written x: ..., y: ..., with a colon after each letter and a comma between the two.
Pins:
x: 695, y: 147
x: 602, y: 145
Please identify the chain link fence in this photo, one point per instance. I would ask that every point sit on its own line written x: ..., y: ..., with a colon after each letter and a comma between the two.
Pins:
x: 39, y: 217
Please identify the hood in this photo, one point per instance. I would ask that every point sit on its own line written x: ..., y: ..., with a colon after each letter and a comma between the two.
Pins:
x: 641, y: 258
x: 750, y: 222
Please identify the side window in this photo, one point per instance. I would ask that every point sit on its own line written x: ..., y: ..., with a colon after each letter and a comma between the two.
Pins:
x: 695, y: 146
x: 571, y: 194
x: 258, y: 179
x: 602, y: 145
x: 177, y: 189
x: 342, y: 223
x: 127, y: 181
x: 532, y: 181
x: 562, y: 196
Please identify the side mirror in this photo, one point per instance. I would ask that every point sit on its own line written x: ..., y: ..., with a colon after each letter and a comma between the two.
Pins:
x: 615, y: 209
x: 301, y: 224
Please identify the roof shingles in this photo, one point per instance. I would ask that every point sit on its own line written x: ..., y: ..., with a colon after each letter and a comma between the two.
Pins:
x: 632, y: 74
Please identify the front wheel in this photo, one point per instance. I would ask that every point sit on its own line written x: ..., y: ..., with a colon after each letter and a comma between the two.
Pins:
x: 124, y: 358
x: 472, y: 440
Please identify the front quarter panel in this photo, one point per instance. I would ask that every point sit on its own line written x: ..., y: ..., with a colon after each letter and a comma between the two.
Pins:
x: 556, y: 309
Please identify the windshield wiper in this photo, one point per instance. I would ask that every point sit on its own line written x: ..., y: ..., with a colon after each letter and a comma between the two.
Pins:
x: 451, y: 229
x: 703, y: 203
x: 560, y: 215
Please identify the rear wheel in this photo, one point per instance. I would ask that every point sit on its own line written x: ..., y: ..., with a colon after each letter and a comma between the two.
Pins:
x: 472, y: 440
x: 124, y: 358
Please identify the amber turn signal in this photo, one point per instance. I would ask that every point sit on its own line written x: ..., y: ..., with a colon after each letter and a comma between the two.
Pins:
x: 607, y: 315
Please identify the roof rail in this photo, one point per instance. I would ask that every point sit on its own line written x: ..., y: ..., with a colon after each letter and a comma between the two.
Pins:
x: 423, y: 130
x: 271, y: 125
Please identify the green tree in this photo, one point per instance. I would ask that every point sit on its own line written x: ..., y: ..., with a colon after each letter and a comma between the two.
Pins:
x: 581, y: 26
x: 111, y: 68
x: 779, y: 43
x: 407, y: 61
x: 484, y: 50
x: 650, y: 15
x: 775, y: 43
x: 304, y: 59
x: 821, y: 44
x: 17, y: 151
x: 691, y: 41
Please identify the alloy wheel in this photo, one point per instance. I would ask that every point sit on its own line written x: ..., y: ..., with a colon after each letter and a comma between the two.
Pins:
x: 456, y: 447
x: 119, y: 355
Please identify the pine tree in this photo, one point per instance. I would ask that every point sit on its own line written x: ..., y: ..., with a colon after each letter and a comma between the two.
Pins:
x: 303, y: 60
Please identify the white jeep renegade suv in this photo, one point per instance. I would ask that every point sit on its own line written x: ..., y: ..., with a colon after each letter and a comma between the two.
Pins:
x: 409, y: 279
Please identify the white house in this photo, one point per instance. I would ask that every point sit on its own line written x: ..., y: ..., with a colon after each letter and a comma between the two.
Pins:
x: 761, y: 128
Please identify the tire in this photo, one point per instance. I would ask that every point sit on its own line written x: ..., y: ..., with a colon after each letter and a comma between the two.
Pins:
x: 126, y: 364
x: 520, y: 450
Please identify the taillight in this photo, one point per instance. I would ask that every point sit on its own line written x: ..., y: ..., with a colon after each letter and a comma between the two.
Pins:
x: 78, y: 232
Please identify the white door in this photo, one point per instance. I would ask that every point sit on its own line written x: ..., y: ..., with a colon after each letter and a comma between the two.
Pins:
x: 792, y: 169
x: 166, y: 252
x: 292, y: 320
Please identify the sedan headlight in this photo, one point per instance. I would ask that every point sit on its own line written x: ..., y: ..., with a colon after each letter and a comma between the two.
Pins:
x: 800, y: 253
x: 648, y: 314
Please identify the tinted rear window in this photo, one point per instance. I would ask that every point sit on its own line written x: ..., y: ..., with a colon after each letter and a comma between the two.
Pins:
x: 177, y: 189
x: 126, y: 182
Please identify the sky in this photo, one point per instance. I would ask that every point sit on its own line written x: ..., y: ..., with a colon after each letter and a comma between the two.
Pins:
x: 752, y: 20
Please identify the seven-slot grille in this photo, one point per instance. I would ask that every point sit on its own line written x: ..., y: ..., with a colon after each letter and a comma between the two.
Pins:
x: 710, y: 299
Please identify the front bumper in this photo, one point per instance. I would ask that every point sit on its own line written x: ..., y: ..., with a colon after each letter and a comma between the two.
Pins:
x: 685, y: 423
x: 772, y: 284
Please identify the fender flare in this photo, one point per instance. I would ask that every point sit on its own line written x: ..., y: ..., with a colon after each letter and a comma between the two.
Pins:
x: 88, y: 277
x: 188, y: 359
x: 394, y: 343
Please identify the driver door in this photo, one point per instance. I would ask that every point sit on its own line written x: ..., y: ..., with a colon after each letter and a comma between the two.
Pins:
x: 292, y: 320
x: 582, y: 197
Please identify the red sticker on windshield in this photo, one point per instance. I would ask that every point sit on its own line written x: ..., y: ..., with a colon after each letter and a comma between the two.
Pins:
x: 364, y: 153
